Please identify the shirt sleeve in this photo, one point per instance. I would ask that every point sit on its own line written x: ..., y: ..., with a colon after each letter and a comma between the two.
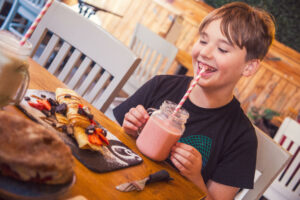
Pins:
x: 237, y: 166
x: 141, y: 97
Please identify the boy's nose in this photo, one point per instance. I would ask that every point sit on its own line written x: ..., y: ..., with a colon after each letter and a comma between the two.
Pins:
x: 206, y: 52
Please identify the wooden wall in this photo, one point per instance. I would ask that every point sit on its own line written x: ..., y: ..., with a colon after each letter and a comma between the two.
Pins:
x: 277, y: 83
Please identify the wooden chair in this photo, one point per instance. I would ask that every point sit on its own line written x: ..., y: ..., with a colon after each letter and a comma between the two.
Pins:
x: 2, y: 5
x: 82, y: 55
x: 28, y: 10
x: 286, y: 186
x: 157, y: 56
x: 271, y: 159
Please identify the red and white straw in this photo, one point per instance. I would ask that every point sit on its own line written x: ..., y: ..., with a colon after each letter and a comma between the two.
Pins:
x: 188, y: 92
x: 35, y: 23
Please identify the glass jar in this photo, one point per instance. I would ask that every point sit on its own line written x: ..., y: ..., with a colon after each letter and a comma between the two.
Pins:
x: 162, y: 130
x: 14, y: 76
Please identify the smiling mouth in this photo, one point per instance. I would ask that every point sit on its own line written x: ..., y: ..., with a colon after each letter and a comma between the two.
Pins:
x: 208, y: 69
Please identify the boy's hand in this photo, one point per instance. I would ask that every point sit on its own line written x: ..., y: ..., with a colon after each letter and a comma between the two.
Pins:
x: 188, y: 161
x: 134, y: 120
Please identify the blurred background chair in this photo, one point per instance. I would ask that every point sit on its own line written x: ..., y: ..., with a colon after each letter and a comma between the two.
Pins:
x: 271, y: 159
x: 4, y: 5
x: 286, y: 186
x: 157, y: 56
x: 82, y: 55
x: 21, y: 15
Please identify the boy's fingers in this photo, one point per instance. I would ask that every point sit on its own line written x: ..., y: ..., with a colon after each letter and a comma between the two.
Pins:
x: 184, y: 153
x: 143, y: 112
x: 187, y: 147
x: 133, y: 119
x: 130, y: 128
x: 178, y: 165
x: 182, y: 159
x: 129, y: 125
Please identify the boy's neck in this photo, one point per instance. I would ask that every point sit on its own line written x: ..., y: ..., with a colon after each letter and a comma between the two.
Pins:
x: 210, y: 99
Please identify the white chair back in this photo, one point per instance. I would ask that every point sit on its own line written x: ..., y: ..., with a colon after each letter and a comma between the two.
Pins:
x: 286, y: 186
x: 271, y: 159
x: 82, y: 55
x: 157, y: 56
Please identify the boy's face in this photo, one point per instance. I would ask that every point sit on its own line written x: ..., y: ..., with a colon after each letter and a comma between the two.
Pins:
x: 225, y: 63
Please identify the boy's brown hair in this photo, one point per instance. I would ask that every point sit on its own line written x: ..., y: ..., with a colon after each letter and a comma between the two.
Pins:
x: 244, y: 26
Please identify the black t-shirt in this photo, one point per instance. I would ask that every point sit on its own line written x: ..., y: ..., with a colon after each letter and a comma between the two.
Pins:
x: 224, y: 136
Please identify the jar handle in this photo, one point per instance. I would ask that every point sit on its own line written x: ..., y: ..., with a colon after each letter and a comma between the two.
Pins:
x: 23, y: 88
x: 149, y: 111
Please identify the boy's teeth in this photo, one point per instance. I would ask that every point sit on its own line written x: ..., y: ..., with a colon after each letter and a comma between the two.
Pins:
x: 206, y: 68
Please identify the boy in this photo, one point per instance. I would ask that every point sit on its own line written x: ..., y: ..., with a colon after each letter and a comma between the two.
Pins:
x: 217, y: 151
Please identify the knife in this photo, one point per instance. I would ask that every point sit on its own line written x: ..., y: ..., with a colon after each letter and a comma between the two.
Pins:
x: 139, y: 185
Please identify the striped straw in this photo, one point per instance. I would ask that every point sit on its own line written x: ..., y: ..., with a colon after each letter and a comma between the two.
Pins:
x: 35, y: 23
x: 188, y: 92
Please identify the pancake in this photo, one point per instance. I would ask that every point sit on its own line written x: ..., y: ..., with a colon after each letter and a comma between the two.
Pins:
x: 82, y: 140
x: 73, y: 101
x: 78, y: 121
x: 31, y: 152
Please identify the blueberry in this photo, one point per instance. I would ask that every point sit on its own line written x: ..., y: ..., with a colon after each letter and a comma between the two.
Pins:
x: 27, y: 98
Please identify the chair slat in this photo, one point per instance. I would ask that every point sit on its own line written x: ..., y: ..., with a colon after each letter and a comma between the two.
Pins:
x: 294, y: 148
x: 80, y: 72
x: 98, y: 87
x: 141, y: 54
x: 144, y: 65
x: 59, y: 58
x: 286, y: 143
x: 106, y: 94
x: 291, y: 168
x: 49, y: 49
x: 157, y: 67
x: 75, y: 56
x: 295, y: 177
x: 150, y: 70
x: 89, y: 80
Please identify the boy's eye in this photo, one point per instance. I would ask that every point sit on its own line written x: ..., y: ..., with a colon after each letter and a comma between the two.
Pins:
x: 203, y: 42
x: 223, y: 50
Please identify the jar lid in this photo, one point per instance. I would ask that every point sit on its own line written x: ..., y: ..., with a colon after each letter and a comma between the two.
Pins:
x: 169, y: 107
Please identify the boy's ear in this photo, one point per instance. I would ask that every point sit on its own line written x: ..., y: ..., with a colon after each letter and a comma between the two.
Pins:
x: 251, y: 67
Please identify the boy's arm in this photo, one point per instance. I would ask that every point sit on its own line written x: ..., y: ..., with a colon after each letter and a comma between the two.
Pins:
x: 219, y: 191
x: 188, y: 161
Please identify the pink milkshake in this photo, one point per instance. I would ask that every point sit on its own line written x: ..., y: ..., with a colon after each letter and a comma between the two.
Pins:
x: 161, y: 132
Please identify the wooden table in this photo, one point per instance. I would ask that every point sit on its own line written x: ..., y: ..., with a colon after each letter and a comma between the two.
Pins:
x: 95, y: 186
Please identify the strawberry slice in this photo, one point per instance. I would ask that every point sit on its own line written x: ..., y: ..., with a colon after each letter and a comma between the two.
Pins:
x: 94, y: 139
x: 99, y: 132
x: 93, y: 122
x: 38, y: 106
x: 45, y: 103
